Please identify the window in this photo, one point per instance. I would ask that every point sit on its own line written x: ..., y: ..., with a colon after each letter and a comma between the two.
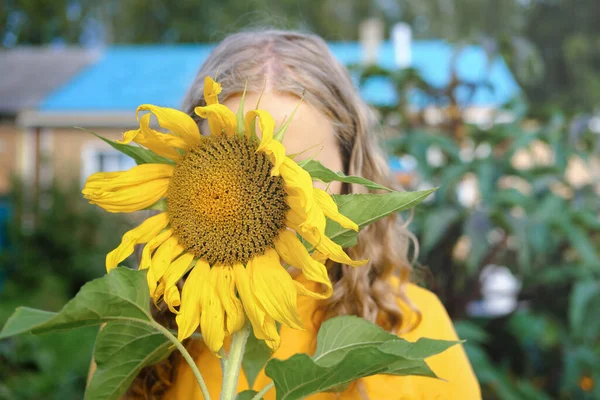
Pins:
x: 104, y: 160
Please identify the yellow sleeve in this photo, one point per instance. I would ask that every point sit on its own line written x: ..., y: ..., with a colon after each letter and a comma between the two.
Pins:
x: 452, y: 366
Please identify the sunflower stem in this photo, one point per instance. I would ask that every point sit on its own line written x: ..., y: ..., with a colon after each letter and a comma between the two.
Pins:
x: 188, y: 358
x: 233, y: 365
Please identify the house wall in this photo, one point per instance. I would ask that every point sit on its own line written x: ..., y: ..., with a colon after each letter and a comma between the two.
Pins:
x: 69, y: 147
x: 9, y: 145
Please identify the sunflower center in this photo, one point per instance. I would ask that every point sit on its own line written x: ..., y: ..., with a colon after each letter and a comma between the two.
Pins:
x: 223, y: 203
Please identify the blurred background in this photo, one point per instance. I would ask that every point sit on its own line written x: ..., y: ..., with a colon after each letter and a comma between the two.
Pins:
x: 495, y: 101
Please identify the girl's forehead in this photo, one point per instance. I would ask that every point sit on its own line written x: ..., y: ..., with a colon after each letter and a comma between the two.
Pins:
x: 310, y: 133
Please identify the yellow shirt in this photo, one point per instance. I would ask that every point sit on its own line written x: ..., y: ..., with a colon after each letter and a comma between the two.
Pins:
x: 452, y: 366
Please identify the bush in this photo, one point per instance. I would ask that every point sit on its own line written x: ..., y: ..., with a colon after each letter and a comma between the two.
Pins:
x: 56, y: 243
x: 508, y: 196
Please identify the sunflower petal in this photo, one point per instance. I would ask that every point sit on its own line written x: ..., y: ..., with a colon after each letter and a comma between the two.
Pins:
x: 225, y: 285
x: 293, y: 252
x: 325, y: 201
x: 211, y: 91
x: 169, y: 280
x: 161, y: 260
x: 326, y: 246
x: 141, y: 234
x: 274, y: 288
x: 212, y: 320
x: 175, y: 121
x: 149, y: 248
x: 297, y: 181
x: 160, y: 143
x: 220, y: 119
x: 128, y: 191
x: 274, y: 150
x: 263, y: 326
x: 191, y: 307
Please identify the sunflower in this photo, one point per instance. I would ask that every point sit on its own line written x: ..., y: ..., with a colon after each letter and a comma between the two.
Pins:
x: 232, y: 207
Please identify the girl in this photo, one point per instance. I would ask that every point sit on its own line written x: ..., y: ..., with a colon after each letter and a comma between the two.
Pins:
x: 338, y: 129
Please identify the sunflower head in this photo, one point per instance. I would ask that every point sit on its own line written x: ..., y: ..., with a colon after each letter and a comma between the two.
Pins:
x: 236, y: 208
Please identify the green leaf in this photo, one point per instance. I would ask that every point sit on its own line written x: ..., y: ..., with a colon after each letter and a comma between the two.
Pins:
x: 364, y: 209
x: 130, y: 341
x: 120, y: 295
x: 139, y: 154
x: 321, y: 173
x: 584, y: 317
x: 122, y: 350
x: 581, y: 242
x: 246, y: 395
x: 349, y: 348
x: 256, y: 356
x: 437, y: 224
x: 24, y: 320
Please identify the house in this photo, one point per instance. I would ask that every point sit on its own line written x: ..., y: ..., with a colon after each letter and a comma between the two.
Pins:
x: 27, y: 76
x: 103, y: 97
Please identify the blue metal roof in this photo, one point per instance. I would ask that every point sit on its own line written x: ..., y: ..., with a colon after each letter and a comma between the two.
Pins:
x: 126, y: 76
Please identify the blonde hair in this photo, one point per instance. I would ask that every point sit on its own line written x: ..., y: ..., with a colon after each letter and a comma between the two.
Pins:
x: 297, y: 63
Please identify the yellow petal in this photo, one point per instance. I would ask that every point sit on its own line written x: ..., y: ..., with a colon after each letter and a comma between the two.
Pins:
x: 325, y: 201
x: 149, y: 248
x: 276, y: 153
x: 274, y: 288
x: 175, y: 121
x: 225, y: 285
x: 141, y: 234
x: 169, y: 280
x: 130, y: 199
x: 266, y: 123
x: 128, y: 191
x: 212, y: 320
x: 320, y: 257
x: 109, y: 181
x: 211, y: 91
x: 195, y: 285
x: 274, y: 150
x: 326, y: 246
x: 297, y: 181
x: 309, y: 217
x: 220, y: 119
x: 293, y: 252
x: 160, y: 143
x: 161, y: 260
x: 263, y: 326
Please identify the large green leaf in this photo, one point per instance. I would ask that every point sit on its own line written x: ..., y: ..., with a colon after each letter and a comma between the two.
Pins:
x: 364, y: 209
x: 130, y: 341
x: 23, y: 320
x: 119, y: 296
x: 122, y: 350
x: 139, y: 154
x: 319, y: 172
x: 349, y: 348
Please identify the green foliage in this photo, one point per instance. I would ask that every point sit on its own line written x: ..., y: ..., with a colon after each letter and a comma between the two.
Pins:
x: 130, y: 340
x: 364, y: 209
x: 319, y: 172
x: 137, y: 153
x: 256, y: 355
x: 527, y: 211
x: 56, y: 243
x: 348, y: 348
